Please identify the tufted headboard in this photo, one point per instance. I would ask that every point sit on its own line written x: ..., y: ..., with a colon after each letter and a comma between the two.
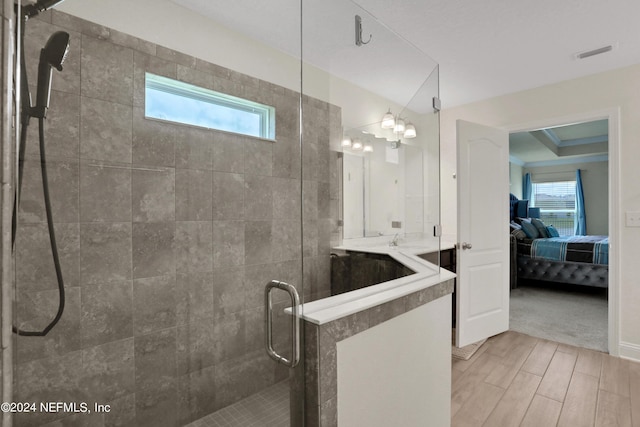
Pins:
x: 518, y: 208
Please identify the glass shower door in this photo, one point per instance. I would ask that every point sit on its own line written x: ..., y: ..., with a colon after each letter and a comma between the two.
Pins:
x: 168, y: 227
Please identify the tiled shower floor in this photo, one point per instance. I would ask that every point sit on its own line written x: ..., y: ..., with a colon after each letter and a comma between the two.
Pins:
x: 267, y: 408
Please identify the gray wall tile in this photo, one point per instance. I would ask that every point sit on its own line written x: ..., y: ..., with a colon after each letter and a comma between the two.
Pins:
x: 157, y: 406
x: 254, y: 329
x: 194, y: 148
x: 258, y: 197
x: 155, y: 378
x: 228, y: 291
x: 154, y: 304
x: 101, y: 63
x: 309, y: 161
x: 46, y: 380
x: 153, y: 249
x: 34, y: 261
x: 228, y: 334
x: 228, y: 153
x: 287, y: 198
x: 108, y: 370
x: 195, y: 346
x: 153, y: 194
x: 196, y: 77
x: 194, y: 246
x: 256, y: 278
x: 62, y: 128
x: 194, y: 294
x: 35, y: 310
x: 175, y: 56
x: 257, y: 242
x: 228, y: 196
x: 106, y: 252
x: 194, y: 195
x: 309, y: 200
x: 258, y: 157
x: 122, y: 413
x: 105, y: 193
x: 106, y: 130
x: 196, y: 392
x: 286, y: 240
x: 135, y: 43
x: 155, y: 358
x: 63, y: 179
x: 229, y: 243
x: 286, y: 157
x: 107, y: 313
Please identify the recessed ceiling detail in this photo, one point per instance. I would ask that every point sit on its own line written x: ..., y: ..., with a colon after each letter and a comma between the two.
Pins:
x: 573, y: 143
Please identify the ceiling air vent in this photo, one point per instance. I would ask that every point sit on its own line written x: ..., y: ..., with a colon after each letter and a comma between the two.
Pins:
x: 594, y: 52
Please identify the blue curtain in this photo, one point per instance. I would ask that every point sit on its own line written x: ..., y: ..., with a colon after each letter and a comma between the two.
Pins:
x: 526, y: 186
x: 581, y: 219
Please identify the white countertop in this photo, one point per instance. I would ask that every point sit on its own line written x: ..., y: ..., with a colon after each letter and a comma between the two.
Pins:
x: 426, y: 275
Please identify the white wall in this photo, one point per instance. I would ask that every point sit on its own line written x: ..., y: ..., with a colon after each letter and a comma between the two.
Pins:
x: 399, y: 372
x: 617, y: 90
x: 595, y: 180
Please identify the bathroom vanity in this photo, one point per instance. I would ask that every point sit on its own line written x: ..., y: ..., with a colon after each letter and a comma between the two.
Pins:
x: 384, y: 349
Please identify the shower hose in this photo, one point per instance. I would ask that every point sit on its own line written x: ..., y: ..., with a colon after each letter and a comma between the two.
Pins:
x: 52, y: 235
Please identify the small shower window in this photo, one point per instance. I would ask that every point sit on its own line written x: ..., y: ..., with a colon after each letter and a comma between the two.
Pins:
x: 179, y: 102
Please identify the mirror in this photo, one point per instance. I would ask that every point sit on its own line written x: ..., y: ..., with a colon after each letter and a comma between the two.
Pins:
x: 383, y: 186
x: 386, y: 182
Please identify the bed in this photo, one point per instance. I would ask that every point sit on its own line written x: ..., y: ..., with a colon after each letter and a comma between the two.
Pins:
x: 576, y: 260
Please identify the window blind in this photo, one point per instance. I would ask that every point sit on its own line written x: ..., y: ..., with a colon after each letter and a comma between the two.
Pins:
x: 557, y: 203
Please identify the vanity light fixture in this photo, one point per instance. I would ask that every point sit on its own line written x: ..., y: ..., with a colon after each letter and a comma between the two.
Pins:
x: 388, y: 121
x: 346, y: 142
x: 399, y: 127
x: 368, y: 148
x: 356, y: 145
x: 409, y: 131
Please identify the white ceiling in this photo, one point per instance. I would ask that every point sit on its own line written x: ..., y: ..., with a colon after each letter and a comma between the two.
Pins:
x: 485, y: 48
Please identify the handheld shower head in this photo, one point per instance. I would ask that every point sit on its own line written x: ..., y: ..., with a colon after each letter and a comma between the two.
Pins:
x: 56, y: 49
x: 51, y: 56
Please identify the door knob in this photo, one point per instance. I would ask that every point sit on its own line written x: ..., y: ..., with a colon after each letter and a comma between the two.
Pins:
x: 466, y: 245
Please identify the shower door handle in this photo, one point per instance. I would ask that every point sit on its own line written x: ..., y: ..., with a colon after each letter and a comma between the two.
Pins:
x: 295, y: 323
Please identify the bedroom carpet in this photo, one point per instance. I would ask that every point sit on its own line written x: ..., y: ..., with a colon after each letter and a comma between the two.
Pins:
x: 567, y: 315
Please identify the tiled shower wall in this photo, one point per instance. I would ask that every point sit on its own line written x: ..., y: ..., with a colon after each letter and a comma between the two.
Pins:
x: 167, y: 235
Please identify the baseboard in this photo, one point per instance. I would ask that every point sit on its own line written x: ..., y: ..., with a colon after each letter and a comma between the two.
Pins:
x: 629, y: 351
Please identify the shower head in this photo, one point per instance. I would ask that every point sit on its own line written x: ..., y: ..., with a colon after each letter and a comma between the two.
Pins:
x: 31, y: 10
x: 51, y: 56
x: 55, y: 51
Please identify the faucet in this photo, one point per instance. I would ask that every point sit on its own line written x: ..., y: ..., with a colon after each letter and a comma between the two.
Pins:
x: 394, y: 241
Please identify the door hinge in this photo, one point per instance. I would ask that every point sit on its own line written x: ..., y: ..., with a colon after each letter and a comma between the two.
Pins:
x: 437, y: 104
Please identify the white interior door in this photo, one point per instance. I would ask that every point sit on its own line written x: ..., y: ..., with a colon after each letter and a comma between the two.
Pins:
x: 482, y: 291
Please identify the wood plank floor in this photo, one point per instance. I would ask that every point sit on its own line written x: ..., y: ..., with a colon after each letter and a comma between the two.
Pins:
x: 515, y: 380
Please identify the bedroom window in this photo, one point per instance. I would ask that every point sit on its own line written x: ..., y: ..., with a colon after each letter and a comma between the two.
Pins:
x: 557, y: 203
x: 179, y: 102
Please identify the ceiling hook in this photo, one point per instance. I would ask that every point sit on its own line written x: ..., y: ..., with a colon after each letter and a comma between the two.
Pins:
x: 359, y: 41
